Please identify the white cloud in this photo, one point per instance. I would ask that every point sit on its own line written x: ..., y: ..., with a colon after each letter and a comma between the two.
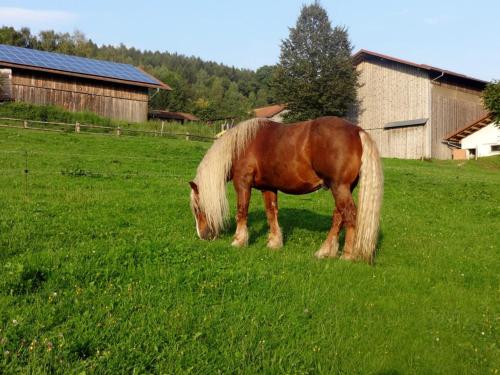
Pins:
x: 36, y: 19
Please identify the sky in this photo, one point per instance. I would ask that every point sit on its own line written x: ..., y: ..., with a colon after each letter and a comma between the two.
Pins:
x: 462, y: 36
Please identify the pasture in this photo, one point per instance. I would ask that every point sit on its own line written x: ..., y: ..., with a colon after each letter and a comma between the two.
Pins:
x: 101, y: 270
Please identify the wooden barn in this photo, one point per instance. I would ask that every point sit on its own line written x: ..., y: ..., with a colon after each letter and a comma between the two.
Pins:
x: 115, y: 90
x: 408, y: 108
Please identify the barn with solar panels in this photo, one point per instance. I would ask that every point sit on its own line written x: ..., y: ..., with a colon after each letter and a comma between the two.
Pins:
x: 114, y: 90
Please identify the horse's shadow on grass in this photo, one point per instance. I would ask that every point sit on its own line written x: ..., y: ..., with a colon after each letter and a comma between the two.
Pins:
x: 290, y: 220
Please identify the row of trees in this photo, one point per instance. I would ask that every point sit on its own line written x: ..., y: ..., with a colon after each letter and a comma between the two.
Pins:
x: 314, y: 77
x: 208, y: 89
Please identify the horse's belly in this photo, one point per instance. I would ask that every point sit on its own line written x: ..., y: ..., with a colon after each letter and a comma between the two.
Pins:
x: 295, y: 185
x: 301, y: 188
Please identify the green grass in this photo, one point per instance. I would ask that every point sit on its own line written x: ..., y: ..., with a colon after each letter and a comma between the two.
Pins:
x: 101, y: 270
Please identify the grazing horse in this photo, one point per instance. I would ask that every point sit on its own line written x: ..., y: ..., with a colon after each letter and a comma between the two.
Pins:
x: 297, y: 158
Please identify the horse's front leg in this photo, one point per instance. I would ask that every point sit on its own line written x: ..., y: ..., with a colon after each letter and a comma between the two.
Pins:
x: 275, y: 239
x: 243, y: 191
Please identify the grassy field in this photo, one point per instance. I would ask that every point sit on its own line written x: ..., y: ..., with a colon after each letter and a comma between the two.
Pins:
x: 101, y: 270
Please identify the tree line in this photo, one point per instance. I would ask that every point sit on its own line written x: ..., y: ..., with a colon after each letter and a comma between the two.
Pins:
x: 207, y: 89
x: 314, y: 77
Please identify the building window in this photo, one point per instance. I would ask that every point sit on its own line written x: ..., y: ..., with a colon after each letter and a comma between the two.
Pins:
x: 495, y: 148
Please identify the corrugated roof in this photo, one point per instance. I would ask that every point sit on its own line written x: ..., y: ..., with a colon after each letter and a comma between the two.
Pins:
x: 269, y: 111
x: 457, y: 135
x: 58, y: 63
x: 363, y: 54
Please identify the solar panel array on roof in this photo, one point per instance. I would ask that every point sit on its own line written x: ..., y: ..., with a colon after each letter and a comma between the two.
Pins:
x: 73, y: 64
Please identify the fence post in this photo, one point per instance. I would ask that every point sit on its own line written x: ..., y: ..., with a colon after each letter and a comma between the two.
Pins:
x: 25, y: 124
x: 187, y: 136
x: 77, y: 127
x: 162, y: 125
x: 118, y: 131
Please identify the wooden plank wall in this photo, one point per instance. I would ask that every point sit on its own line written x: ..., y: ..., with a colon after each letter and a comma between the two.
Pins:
x: 5, y: 84
x: 394, y: 92
x: 104, y: 98
x: 452, y: 108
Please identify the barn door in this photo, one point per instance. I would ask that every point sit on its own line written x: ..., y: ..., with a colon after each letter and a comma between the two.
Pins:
x: 5, y: 84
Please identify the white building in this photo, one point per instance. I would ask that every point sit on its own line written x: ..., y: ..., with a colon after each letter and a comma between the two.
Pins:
x: 475, y: 140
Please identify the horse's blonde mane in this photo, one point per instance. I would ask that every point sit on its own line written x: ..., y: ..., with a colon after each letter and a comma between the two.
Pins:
x: 213, y: 172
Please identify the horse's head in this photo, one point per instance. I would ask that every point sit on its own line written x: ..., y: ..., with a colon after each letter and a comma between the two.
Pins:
x: 202, y: 228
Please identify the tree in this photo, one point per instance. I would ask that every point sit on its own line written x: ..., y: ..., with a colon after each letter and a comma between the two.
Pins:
x: 234, y: 103
x: 491, y: 99
x: 21, y: 38
x: 175, y: 100
x: 315, y: 75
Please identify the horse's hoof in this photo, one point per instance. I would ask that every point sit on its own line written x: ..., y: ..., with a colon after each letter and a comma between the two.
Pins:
x: 237, y: 243
x: 322, y: 254
x: 348, y: 257
x: 275, y: 245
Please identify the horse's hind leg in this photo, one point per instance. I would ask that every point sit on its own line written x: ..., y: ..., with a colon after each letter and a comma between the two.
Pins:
x: 348, y: 210
x: 344, y: 214
x: 243, y: 195
x: 275, y: 239
x: 329, y: 248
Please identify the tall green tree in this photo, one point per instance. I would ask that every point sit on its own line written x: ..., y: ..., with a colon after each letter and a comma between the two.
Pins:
x: 315, y: 75
x: 491, y: 99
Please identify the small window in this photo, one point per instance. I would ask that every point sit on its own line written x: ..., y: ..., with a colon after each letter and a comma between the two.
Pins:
x: 495, y: 148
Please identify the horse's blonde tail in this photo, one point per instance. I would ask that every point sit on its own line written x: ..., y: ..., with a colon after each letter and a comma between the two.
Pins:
x: 371, y: 189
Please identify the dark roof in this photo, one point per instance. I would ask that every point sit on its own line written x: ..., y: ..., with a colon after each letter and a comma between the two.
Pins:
x: 58, y: 63
x: 457, y: 135
x: 363, y: 55
x: 167, y: 115
x: 269, y: 111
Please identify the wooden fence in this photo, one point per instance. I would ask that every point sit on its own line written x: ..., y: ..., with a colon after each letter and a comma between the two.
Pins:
x: 61, y: 127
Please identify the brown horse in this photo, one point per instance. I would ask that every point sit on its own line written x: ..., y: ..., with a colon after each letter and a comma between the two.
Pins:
x: 295, y: 159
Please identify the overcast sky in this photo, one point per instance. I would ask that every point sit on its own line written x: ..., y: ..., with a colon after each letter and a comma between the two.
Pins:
x: 459, y: 35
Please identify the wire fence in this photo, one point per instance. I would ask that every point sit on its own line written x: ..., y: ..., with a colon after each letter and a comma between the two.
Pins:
x: 30, y: 163
x: 99, y: 156
x: 78, y: 128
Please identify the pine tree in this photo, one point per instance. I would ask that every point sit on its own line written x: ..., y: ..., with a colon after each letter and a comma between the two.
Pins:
x: 315, y: 76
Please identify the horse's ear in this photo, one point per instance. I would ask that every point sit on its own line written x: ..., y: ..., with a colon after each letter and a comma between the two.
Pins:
x: 193, y: 186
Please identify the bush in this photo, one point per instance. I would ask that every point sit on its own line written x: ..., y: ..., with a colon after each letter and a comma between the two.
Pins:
x: 491, y: 99
x: 50, y: 113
